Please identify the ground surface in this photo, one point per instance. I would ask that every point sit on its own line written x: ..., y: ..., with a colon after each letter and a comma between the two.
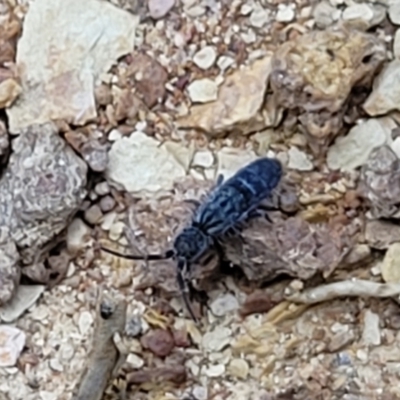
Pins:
x: 210, y: 86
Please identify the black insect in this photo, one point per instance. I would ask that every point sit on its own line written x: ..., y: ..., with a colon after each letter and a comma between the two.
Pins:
x: 228, y: 205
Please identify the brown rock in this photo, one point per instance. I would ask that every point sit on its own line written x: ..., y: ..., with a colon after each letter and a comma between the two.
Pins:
x: 315, y: 74
x: 158, y: 341
x: 380, y: 182
x: 150, y: 78
x: 381, y: 234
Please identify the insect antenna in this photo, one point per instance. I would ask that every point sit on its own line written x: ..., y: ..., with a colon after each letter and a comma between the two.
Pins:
x: 148, y: 257
x: 184, y: 287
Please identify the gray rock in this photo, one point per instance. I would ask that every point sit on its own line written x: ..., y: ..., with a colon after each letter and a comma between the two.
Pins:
x: 42, y: 188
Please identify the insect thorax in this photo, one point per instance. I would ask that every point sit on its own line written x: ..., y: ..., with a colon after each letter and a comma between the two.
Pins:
x: 191, y: 243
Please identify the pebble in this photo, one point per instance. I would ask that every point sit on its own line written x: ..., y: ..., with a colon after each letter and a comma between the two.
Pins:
x: 259, y: 17
x: 390, y: 267
x: 223, y: 305
x: 298, y: 160
x: 200, y: 393
x: 394, y: 12
x: 12, y: 341
x: 93, y: 214
x: 362, y: 355
x: 55, y: 365
x: 203, y: 158
x: 358, y: 11
x: 285, y: 13
x: 135, y: 361
x: 238, y: 368
x: 160, y: 8
x: 85, y: 322
x: 205, y: 58
x: 224, y: 62
x: 352, y: 151
x: 159, y: 341
x: 134, y: 326
x: 203, y: 90
x: 107, y: 203
x: 23, y: 299
x: 217, y: 339
x: 78, y: 233
x: 396, y: 44
x: 214, y: 371
x: 114, y: 135
x: 67, y: 351
x: 108, y: 220
x: 134, y: 163
x: 371, y: 334
x: 385, y: 95
x: 116, y: 230
x: 102, y: 188
x: 325, y: 14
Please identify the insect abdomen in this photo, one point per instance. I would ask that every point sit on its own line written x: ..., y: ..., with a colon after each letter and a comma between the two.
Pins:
x: 231, y: 202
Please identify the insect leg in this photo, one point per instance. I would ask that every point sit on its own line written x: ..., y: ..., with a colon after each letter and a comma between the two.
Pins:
x: 149, y: 257
x: 220, y: 179
x: 184, y: 287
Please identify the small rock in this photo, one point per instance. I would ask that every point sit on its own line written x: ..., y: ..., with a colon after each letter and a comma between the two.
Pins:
x: 217, y: 339
x: 134, y: 326
x: 381, y: 234
x: 114, y: 135
x: 394, y: 12
x: 159, y: 341
x: 135, y: 361
x: 9, y: 91
x: 67, y: 352
x: 230, y: 160
x: 24, y: 298
x: 325, y: 14
x: 77, y: 235
x: 224, y: 62
x: 116, y: 230
x: 352, y: 151
x: 200, y: 393
x: 341, y: 340
x: 135, y: 164
x: 107, y: 203
x: 93, y: 215
x: 224, y: 305
x: 362, y: 355
x: 298, y: 160
x: 391, y: 264
x: 12, y: 341
x: 203, y: 90
x: 385, y: 95
x: 371, y: 333
x: 214, y: 371
x: 10, y: 271
x: 95, y: 154
x: 358, y: 11
x: 204, y: 159
x: 150, y: 78
x: 396, y: 44
x: 238, y: 368
x: 160, y: 8
x: 85, y: 322
x: 55, y: 365
x: 285, y: 13
x: 259, y: 17
x: 205, y: 58
x: 102, y: 188
x: 239, y: 107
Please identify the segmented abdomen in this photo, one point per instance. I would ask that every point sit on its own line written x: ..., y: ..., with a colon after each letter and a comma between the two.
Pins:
x: 232, y: 202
